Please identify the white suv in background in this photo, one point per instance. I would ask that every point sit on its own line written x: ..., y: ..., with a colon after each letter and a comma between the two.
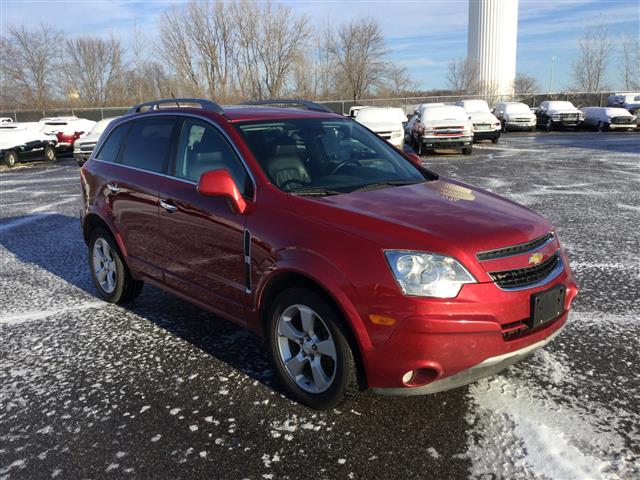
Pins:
x: 65, y: 130
x: 85, y: 144
x: 485, y: 125
x: 608, y: 118
x: 440, y: 127
x: 386, y: 122
x: 515, y: 116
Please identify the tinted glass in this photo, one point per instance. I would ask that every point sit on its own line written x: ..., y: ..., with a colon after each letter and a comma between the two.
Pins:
x: 202, y: 148
x: 303, y: 155
x: 148, y: 143
x: 110, y: 148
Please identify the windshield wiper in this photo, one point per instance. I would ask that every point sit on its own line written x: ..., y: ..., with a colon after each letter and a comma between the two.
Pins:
x: 315, y: 191
x: 373, y: 186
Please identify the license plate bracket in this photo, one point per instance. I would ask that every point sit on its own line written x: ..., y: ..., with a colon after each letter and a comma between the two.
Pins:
x: 546, y: 306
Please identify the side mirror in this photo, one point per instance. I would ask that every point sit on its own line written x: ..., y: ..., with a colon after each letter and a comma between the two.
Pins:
x: 415, y: 159
x: 219, y: 183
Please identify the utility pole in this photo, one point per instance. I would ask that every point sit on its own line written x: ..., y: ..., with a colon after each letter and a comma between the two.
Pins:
x: 553, y: 62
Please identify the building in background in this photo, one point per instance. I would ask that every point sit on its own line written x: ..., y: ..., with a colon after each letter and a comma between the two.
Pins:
x: 491, y: 48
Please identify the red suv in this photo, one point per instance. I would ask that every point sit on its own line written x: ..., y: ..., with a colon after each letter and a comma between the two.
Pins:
x: 359, y: 266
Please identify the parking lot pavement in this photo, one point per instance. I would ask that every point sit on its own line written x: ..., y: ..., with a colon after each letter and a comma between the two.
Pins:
x: 161, y: 389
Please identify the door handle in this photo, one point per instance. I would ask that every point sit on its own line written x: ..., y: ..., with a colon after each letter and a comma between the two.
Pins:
x: 168, y: 206
x: 113, y: 188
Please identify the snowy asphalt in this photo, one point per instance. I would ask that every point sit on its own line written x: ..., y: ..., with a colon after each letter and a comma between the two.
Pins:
x: 161, y: 389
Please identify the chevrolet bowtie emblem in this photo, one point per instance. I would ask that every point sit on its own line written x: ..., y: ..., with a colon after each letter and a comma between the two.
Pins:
x: 536, y: 258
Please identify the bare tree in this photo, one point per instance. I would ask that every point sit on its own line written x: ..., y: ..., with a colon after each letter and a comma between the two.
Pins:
x: 525, y: 84
x: 590, y: 64
x: 397, y: 81
x: 358, y: 49
x: 93, y: 67
x: 630, y: 62
x: 29, y: 62
x: 463, y: 76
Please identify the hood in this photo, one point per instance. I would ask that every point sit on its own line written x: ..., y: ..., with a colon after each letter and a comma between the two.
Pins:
x: 529, y: 115
x: 444, y: 216
x: 483, y: 117
x: 555, y: 111
x: 447, y: 123
x: 91, y: 138
x: 382, y: 126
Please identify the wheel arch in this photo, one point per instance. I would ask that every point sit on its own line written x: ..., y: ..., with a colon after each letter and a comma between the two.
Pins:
x: 283, y: 280
x: 92, y: 221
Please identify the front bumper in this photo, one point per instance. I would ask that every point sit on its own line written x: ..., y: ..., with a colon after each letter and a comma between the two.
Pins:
x: 513, y: 125
x: 486, y: 135
x: 453, y: 342
x: 81, y: 157
x: 565, y: 122
x: 446, y: 142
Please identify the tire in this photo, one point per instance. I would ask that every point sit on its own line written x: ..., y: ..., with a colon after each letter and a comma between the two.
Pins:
x: 532, y: 129
x: 418, y: 148
x: 314, y: 379
x: 49, y: 153
x: 467, y: 150
x: 549, y: 125
x: 602, y: 127
x: 10, y: 158
x: 495, y: 140
x: 117, y: 286
x: 504, y: 127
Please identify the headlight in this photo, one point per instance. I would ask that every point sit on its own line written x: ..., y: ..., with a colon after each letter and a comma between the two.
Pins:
x: 427, y: 274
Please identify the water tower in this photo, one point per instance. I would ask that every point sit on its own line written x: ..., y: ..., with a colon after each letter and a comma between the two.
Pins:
x: 493, y: 34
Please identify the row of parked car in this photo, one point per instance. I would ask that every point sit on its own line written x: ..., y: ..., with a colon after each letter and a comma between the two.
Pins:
x: 440, y: 126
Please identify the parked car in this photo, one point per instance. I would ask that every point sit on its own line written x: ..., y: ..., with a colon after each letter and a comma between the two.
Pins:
x: 85, y: 144
x: 6, y: 120
x: 515, y: 116
x: 558, y: 113
x: 629, y: 101
x: 386, y: 122
x: 608, y: 118
x: 485, y: 125
x: 353, y: 111
x: 66, y: 130
x: 354, y: 261
x: 437, y: 126
x: 21, y: 142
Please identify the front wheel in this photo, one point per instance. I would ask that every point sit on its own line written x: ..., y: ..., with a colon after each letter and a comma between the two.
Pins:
x: 309, y: 349
x: 49, y: 153
x: 602, y: 127
x: 549, y: 125
x: 10, y: 158
x: 495, y: 139
x: 110, y: 273
x: 467, y: 150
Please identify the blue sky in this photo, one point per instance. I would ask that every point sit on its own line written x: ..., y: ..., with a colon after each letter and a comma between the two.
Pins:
x: 422, y: 35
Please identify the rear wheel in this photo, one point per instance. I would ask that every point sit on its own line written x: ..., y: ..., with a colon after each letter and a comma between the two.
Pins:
x: 602, y: 127
x: 495, y: 139
x: 309, y: 349
x: 504, y: 127
x: 549, y: 125
x: 467, y: 150
x: 10, y: 158
x: 110, y: 273
x: 49, y: 153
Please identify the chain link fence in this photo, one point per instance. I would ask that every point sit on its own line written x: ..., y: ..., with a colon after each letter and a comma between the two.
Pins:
x: 408, y: 104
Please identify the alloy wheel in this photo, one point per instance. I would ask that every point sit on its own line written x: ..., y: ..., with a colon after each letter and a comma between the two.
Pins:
x: 306, y: 348
x: 104, y: 265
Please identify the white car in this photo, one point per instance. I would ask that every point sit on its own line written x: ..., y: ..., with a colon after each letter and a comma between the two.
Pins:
x: 6, y: 120
x: 440, y: 127
x: 66, y: 130
x: 515, y: 116
x: 630, y: 101
x: 25, y: 141
x: 83, y: 146
x: 485, y: 124
x: 558, y: 113
x: 387, y: 122
x: 353, y: 111
x: 608, y: 118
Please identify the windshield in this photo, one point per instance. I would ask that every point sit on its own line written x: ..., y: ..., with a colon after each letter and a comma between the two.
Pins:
x: 316, y: 156
x: 444, y: 113
x: 517, y: 108
x: 100, y: 126
x: 567, y: 105
x: 472, y: 106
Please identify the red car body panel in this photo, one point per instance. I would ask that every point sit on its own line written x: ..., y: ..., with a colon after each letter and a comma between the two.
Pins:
x: 337, y: 242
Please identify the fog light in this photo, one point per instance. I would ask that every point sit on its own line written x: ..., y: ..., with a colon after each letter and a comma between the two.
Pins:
x: 407, y: 377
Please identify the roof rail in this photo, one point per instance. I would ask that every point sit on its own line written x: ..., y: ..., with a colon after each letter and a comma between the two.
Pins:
x: 309, y: 105
x: 155, y: 104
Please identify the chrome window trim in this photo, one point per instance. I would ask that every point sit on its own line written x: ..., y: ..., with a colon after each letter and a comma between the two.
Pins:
x: 179, y: 114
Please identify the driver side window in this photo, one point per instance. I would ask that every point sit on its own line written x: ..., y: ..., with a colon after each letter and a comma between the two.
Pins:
x: 202, y: 148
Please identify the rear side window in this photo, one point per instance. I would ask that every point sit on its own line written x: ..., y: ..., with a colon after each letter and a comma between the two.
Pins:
x: 202, y: 148
x: 111, y: 146
x: 148, y: 143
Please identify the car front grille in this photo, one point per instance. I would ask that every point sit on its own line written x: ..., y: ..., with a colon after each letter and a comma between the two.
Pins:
x: 482, y: 126
x: 522, y: 277
x: 623, y: 120
x: 87, y: 147
x: 569, y: 116
x: 514, y: 249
